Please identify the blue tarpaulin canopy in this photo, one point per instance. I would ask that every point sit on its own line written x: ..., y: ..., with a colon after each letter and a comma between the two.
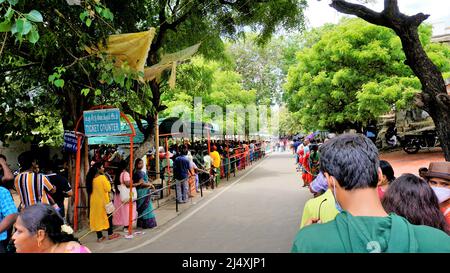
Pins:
x: 165, y: 127
x: 116, y: 140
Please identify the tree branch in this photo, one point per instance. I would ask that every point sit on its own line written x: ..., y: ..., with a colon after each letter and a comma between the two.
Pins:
x: 360, y: 11
x: 136, y: 116
x: 12, y: 69
x: 417, y: 19
x: 180, y: 20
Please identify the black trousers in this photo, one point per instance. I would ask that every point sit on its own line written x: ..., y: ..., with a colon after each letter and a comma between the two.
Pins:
x: 110, y: 229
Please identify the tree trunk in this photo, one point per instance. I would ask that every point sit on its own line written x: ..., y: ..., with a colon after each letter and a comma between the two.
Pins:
x: 149, y: 140
x: 434, y: 98
x: 75, y: 105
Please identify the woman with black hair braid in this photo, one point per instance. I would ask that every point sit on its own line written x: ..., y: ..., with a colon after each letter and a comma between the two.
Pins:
x: 40, y: 229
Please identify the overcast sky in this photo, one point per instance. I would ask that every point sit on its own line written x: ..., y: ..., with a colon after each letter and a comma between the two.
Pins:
x: 319, y: 13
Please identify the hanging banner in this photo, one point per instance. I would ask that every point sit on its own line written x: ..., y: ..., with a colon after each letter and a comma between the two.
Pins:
x: 103, y: 122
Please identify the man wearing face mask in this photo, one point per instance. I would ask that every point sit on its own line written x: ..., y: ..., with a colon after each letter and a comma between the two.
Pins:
x: 438, y: 176
x: 351, y: 166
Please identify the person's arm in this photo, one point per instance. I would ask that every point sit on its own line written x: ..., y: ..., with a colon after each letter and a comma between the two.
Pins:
x: 50, y: 188
x: 8, y: 222
x: 7, y: 174
x: 66, y: 188
x: 106, y: 184
x: 127, y: 181
x: 7, y: 208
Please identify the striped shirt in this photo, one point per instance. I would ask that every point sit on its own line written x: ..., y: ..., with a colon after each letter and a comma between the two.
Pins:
x: 32, y: 188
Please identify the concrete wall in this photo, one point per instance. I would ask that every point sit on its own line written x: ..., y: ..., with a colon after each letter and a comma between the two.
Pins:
x: 13, y: 150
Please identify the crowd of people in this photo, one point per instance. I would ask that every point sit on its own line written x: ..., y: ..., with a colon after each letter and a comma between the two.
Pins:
x: 191, y: 165
x: 360, y: 206
x: 38, y: 223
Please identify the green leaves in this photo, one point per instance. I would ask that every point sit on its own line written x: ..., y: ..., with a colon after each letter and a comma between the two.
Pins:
x: 55, y: 78
x: 13, y: 2
x: 88, y: 16
x: 9, y: 14
x: 5, y: 26
x: 33, y: 37
x: 107, y: 14
x: 59, y: 83
x: 354, y: 72
x: 83, y: 15
x: 34, y: 16
x: 85, y: 91
x: 24, y: 26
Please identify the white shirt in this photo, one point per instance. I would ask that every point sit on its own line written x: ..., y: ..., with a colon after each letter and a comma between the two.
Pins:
x: 207, y: 160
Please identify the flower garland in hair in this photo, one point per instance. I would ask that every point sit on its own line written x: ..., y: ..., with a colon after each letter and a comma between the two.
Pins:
x: 67, y: 229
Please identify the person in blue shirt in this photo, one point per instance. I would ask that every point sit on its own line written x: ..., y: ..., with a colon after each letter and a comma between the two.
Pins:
x: 181, y: 172
x: 8, y: 216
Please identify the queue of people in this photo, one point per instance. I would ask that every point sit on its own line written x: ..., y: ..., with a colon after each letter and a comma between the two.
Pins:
x: 360, y: 206
x: 37, y: 225
x: 188, y: 164
x: 307, y: 158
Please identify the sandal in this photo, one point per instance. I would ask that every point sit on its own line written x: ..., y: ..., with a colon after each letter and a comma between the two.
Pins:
x: 113, y: 236
x: 101, y: 239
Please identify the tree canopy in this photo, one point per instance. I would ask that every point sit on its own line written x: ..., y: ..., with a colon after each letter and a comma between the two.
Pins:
x: 353, y: 73
x: 50, y: 60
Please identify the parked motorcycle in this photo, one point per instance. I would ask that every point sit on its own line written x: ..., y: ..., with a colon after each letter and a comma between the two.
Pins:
x: 391, y: 137
x: 426, y: 140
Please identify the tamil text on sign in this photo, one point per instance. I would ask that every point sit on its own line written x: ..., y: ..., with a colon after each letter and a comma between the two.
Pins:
x: 102, y: 122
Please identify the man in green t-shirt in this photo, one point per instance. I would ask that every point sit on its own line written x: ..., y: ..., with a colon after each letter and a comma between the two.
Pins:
x: 351, y: 166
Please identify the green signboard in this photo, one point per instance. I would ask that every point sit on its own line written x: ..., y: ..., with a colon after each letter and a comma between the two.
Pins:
x: 103, y: 122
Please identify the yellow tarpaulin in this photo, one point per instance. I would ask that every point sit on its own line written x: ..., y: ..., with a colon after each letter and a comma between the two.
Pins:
x: 155, y: 71
x: 181, y: 55
x: 131, y: 48
x: 169, y: 61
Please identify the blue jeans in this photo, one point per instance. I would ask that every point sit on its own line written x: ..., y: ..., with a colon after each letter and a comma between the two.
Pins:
x: 182, y: 190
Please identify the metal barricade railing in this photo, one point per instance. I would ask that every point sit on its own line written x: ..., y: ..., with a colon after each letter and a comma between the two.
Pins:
x: 211, y: 178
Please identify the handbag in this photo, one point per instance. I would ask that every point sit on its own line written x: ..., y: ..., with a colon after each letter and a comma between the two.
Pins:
x: 110, y: 208
x: 125, y: 193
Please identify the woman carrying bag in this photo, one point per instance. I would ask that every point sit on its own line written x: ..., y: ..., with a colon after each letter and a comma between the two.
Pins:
x: 144, y: 203
x: 98, y: 188
x: 121, y: 197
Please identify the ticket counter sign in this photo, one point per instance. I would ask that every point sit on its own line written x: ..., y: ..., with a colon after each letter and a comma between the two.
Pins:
x: 103, y: 122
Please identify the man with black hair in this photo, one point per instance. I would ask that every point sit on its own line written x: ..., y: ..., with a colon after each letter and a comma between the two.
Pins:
x: 181, y: 172
x: 351, y: 166
x: 62, y: 185
x: 32, y: 187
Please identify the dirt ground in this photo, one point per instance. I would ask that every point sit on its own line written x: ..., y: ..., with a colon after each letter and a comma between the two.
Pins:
x: 410, y: 163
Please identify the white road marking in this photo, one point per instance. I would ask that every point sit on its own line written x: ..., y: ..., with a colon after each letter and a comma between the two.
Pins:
x: 190, y: 214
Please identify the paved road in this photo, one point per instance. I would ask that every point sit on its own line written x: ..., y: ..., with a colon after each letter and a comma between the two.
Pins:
x: 260, y: 212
